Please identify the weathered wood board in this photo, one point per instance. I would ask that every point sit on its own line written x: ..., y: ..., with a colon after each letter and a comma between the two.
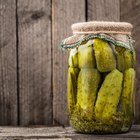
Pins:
x: 64, y: 13
x: 34, y: 61
x: 103, y: 10
x: 60, y: 133
x: 8, y: 63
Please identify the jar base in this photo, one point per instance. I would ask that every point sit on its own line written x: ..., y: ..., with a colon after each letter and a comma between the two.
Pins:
x: 99, y: 127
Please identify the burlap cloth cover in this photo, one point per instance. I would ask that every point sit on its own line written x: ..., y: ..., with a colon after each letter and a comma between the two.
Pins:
x: 118, y: 33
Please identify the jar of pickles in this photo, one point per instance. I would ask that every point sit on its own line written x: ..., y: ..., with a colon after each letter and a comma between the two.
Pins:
x: 101, y: 77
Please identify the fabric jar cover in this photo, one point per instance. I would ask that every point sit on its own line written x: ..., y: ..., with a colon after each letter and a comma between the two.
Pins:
x: 118, y: 33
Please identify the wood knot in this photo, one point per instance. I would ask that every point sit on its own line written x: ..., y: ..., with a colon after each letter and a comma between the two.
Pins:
x: 37, y: 14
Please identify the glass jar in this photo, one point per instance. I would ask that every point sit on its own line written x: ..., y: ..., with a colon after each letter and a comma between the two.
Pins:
x: 101, y: 77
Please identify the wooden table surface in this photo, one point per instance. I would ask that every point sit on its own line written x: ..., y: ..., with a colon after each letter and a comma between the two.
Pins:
x: 61, y: 133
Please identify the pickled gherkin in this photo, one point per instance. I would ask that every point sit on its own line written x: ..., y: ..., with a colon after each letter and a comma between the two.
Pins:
x: 105, y: 58
x: 86, y: 58
x: 128, y: 59
x: 72, y: 87
x: 88, y: 82
x: 109, y: 95
x: 127, y: 92
x: 73, y: 58
x: 125, y: 58
x: 120, y: 58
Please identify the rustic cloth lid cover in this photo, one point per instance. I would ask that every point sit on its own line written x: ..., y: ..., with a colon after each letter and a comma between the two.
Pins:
x: 118, y: 33
x: 102, y: 27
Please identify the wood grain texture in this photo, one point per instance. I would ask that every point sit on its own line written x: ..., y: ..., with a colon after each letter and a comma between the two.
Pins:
x: 8, y: 63
x: 64, y: 13
x: 61, y: 133
x: 107, y: 10
x: 34, y: 54
x: 130, y: 12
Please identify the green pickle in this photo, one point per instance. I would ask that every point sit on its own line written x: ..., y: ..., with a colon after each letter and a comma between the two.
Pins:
x: 120, y: 58
x: 88, y: 81
x: 105, y: 58
x: 127, y: 92
x: 72, y: 87
x: 86, y: 58
x: 73, y: 58
x: 125, y: 58
x: 128, y: 59
x: 101, y: 81
x: 109, y: 95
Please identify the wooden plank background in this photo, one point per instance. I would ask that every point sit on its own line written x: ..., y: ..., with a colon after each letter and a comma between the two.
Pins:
x: 33, y: 70
x: 64, y: 13
x: 34, y: 62
x: 8, y: 63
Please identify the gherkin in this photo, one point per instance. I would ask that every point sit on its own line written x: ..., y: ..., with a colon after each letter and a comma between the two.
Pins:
x: 86, y: 58
x: 105, y: 58
x: 72, y: 88
x: 128, y: 59
x: 109, y: 95
x: 126, y: 103
x: 88, y: 82
x: 134, y: 58
x: 125, y: 58
x: 120, y: 58
x: 73, y: 58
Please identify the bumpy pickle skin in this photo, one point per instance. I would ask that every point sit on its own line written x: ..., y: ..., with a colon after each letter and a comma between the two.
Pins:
x: 120, y: 58
x: 73, y: 58
x: 104, y: 56
x: 88, y: 82
x: 86, y: 58
x: 109, y: 95
x: 125, y: 58
x: 128, y: 60
x: 128, y: 92
x: 72, y: 88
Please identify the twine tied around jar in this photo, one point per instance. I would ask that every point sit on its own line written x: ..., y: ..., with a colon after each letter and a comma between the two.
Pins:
x: 117, y: 33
